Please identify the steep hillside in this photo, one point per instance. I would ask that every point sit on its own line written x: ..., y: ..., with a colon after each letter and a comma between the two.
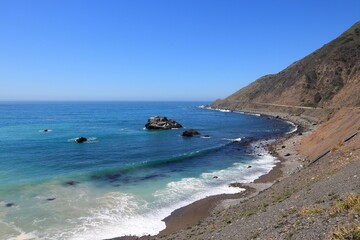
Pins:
x: 327, y: 78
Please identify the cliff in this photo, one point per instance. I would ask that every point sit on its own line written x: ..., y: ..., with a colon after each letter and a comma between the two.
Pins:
x: 327, y: 78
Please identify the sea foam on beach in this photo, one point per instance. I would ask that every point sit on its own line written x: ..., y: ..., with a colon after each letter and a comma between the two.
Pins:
x: 118, y: 214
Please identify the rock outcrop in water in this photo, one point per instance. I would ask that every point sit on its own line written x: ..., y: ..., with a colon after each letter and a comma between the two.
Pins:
x: 159, y: 122
x: 81, y: 139
x: 190, y: 133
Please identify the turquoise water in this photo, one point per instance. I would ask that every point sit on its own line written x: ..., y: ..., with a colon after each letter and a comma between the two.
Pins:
x: 125, y: 179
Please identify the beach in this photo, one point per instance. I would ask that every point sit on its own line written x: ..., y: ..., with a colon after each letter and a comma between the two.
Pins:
x: 290, y: 161
x: 275, y: 205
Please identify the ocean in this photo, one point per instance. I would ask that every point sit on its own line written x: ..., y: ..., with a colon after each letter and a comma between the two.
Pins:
x: 125, y: 179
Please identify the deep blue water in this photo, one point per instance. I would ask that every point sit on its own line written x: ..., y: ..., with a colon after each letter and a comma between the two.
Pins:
x: 121, y: 158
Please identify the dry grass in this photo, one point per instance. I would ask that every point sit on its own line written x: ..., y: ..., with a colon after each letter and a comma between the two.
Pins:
x: 310, y: 211
x: 351, y: 203
x: 345, y: 233
x: 281, y: 197
x: 337, y: 146
x: 253, y: 210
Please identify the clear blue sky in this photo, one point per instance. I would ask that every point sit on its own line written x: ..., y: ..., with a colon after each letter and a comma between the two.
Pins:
x: 156, y: 50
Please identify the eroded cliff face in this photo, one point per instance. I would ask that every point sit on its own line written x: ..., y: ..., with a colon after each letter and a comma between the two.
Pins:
x: 327, y: 78
x: 334, y: 135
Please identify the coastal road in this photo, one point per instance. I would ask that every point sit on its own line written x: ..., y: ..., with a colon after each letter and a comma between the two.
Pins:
x: 290, y: 106
x: 281, y: 105
x: 301, y: 107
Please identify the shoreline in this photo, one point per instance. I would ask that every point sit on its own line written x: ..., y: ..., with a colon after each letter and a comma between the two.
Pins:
x: 184, y: 217
x: 290, y: 161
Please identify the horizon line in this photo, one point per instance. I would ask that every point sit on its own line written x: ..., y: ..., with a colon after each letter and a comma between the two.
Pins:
x: 12, y: 100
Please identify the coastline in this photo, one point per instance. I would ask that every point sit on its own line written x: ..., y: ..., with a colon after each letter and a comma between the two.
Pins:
x: 290, y: 161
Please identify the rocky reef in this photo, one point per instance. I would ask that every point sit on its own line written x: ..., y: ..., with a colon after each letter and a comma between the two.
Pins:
x: 190, y: 133
x: 81, y: 139
x: 160, y: 122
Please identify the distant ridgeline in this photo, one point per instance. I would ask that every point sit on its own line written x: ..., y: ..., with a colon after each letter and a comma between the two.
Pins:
x: 328, y: 78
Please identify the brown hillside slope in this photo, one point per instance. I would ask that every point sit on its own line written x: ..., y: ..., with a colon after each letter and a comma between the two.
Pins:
x: 327, y: 78
x: 332, y: 135
x: 320, y: 201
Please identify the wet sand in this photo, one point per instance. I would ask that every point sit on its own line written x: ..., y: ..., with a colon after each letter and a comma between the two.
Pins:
x: 192, y: 214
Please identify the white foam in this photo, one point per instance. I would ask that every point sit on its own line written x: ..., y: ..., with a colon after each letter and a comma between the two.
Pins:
x: 72, y: 139
x: 205, y: 137
x: 248, y: 113
x: 118, y: 214
x: 85, y: 216
x: 233, y: 139
x: 214, y: 109
x: 24, y: 236
x: 227, y: 110
x: 47, y: 130
x: 92, y: 140
x: 294, y: 129
x: 113, y: 214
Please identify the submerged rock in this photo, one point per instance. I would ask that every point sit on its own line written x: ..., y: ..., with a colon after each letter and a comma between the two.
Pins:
x: 71, y: 183
x: 159, y: 122
x: 81, y: 139
x: 190, y: 133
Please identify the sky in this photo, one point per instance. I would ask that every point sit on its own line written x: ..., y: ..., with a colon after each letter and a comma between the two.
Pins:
x: 169, y: 50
